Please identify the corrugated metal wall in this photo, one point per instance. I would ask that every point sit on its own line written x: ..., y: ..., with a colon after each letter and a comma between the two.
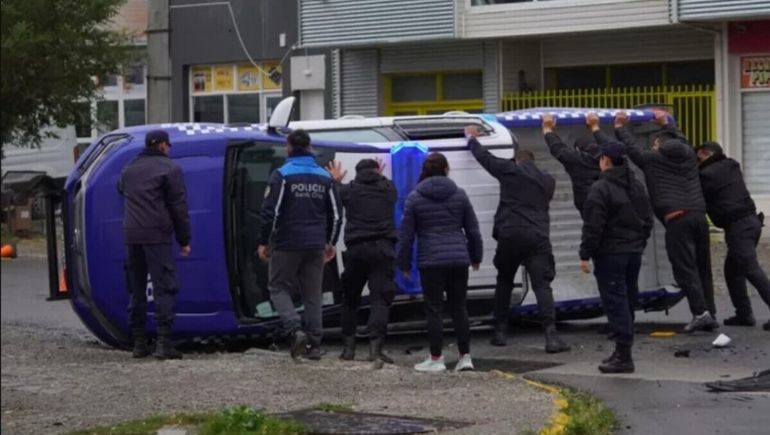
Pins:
x: 360, y: 82
x: 756, y: 141
x: 548, y: 17
x: 721, y: 9
x: 355, y: 22
x: 491, y: 77
x: 336, y: 84
x: 649, y: 45
x: 456, y: 56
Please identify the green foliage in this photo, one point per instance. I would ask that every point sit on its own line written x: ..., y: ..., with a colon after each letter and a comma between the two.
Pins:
x: 334, y: 407
x: 148, y: 426
x: 51, y: 52
x: 588, y: 415
x: 242, y: 420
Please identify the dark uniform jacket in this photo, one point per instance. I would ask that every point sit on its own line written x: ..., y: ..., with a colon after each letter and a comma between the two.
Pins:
x: 369, y: 202
x: 671, y: 174
x: 727, y: 198
x: 301, y: 209
x: 525, y: 193
x: 154, y: 200
x: 440, y: 216
x: 617, y: 218
x: 581, y: 164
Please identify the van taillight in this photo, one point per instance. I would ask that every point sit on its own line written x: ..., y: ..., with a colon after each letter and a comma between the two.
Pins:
x: 76, y: 152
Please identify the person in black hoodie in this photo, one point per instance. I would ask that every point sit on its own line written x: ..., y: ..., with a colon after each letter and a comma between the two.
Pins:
x: 671, y: 172
x: 522, y: 231
x: 617, y: 221
x: 154, y: 197
x: 581, y: 162
x: 370, y: 236
x: 730, y: 207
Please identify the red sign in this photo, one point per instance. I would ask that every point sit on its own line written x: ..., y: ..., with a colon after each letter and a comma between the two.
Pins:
x: 755, y: 72
x: 749, y: 37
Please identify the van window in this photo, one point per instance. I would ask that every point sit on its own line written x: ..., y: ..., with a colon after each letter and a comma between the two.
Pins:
x: 361, y: 135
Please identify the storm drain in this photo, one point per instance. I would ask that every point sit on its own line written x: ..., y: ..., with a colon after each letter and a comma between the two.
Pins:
x: 348, y: 423
x: 511, y: 365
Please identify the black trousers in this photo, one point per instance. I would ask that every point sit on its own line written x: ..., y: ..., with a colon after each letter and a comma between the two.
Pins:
x: 687, y: 245
x: 741, y: 264
x: 454, y: 281
x: 617, y: 277
x: 372, y: 262
x: 536, y: 255
x: 155, y: 259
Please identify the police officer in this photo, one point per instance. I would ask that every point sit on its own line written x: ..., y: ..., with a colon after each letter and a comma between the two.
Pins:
x: 370, y: 236
x: 154, y: 201
x: 617, y: 221
x: 580, y: 162
x: 522, y: 232
x: 671, y: 172
x: 730, y: 206
x: 299, y: 225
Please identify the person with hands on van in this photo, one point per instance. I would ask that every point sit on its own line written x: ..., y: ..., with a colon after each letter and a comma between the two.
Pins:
x: 671, y: 172
x: 581, y: 162
x: 617, y: 221
x: 300, y: 223
x: 370, y: 236
x: 730, y: 207
x: 522, y: 231
x: 155, y: 205
x: 439, y: 215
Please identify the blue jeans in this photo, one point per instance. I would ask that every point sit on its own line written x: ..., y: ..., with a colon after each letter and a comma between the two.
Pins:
x: 617, y: 277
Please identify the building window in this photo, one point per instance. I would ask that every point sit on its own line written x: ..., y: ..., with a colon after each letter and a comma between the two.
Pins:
x: 134, y: 112
x: 234, y: 93
x: 433, y: 93
x: 629, y: 75
x: 107, y: 116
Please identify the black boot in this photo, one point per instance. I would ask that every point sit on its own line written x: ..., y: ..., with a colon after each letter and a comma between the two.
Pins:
x: 375, y: 351
x: 349, y: 351
x: 141, y: 349
x: 298, y: 345
x: 164, y: 347
x: 554, y: 344
x: 500, y: 337
x: 766, y: 326
x: 736, y: 320
x: 622, y: 363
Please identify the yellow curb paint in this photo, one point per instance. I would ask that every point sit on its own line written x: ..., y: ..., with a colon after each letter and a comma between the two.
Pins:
x: 662, y: 334
x: 559, y: 419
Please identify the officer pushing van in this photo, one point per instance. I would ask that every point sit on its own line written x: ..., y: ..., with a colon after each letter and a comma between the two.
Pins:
x: 299, y: 225
x: 155, y: 205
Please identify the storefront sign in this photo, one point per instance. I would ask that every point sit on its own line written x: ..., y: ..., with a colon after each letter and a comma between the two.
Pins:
x: 755, y: 72
x: 223, y: 78
x: 248, y: 78
x: 201, y: 79
x: 272, y: 77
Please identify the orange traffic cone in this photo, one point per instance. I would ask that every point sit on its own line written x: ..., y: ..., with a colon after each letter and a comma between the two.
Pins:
x: 63, y: 290
x: 8, y: 251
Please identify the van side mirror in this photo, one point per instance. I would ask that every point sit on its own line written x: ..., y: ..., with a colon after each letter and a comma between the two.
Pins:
x: 281, y: 114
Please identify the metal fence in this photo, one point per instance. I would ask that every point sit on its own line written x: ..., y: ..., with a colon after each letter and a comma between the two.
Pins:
x: 694, y: 106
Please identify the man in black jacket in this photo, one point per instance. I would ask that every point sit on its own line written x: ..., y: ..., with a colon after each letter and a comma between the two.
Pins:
x: 671, y: 172
x: 730, y: 206
x: 154, y: 201
x: 617, y: 222
x: 581, y: 162
x: 522, y: 231
x: 370, y: 236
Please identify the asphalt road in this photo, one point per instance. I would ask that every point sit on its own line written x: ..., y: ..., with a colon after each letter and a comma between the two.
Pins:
x: 665, y: 395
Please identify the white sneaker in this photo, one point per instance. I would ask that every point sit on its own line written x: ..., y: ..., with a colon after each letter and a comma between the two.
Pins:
x: 431, y: 365
x: 464, y: 363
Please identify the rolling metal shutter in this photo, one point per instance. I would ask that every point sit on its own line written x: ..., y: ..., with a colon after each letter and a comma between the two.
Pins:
x: 756, y: 141
x: 721, y: 9
x: 456, y: 56
x: 356, y: 22
x: 491, y: 73
x: 359, y: 83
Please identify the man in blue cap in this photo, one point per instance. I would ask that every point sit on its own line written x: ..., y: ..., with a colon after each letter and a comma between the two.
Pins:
x: 617, y: 221
x: 155, y: 205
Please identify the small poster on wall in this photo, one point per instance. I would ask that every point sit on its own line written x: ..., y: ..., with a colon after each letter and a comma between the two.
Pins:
x: 201, y: 79
x: 248, y: 78
x: 755, y: 72
x: 272, y: 76
x: 223, y: 78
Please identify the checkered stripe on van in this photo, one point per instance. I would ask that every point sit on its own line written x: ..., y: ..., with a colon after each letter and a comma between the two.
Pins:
x: 192, y: 129
x: 564, y: 114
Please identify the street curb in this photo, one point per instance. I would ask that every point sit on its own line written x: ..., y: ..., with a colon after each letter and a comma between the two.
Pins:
x: 559, y: 419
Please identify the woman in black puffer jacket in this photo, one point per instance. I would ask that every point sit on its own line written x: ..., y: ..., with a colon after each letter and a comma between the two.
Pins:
x: 440, y: 216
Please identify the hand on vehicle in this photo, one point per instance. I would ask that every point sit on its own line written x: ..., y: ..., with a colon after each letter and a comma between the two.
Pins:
x: 329, y: 253
x: 336, y: 171
x: 263, y: 252
x: 185, y: 250
x: 592, y: 121
x: 380, y: 165
x: 472, y: 131
x: 475, y: 267
x: 549, y: 123
x: 660, y: 117
x: 621, y: 118
x: 585, y: 266
x: 407, y: 274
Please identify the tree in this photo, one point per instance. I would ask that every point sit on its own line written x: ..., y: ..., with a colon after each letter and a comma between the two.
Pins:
x: 52, y: 53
